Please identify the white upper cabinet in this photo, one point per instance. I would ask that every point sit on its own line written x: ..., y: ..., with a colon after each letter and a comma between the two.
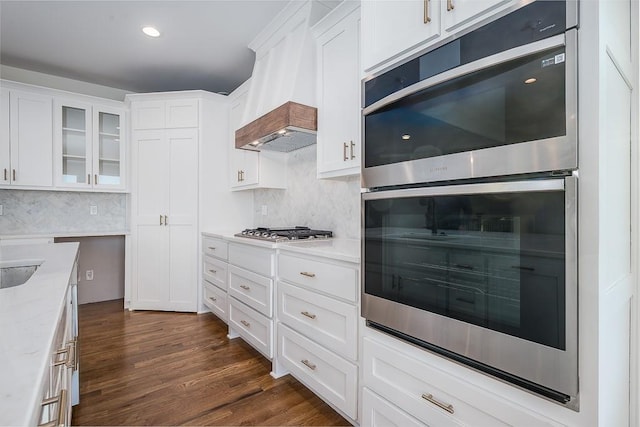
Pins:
x: 169, y: 114
x: 89, y: 146
x: 338, y: 85
x: 26, y: 147
x: 394, y: 30
x: 251, y: 169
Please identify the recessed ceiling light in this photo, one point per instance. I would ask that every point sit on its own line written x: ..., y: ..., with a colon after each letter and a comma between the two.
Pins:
x: 151, y: 31
x: 531, y: 80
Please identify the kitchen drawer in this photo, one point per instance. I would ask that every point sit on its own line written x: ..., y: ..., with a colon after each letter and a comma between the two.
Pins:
x: 329, y: 322
x: 215, y: 271
x: 252, y: 289
x: 328, y: 375
x: 332, y: 279
x: 215, y: 247
x: 252, y: 326
x: 216, y: 300
x: 378, y: 412
x: 258, y: 260
x: 425, y: 391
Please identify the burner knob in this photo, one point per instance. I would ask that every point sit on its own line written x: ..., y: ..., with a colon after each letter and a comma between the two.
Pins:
x: 245, y: 232
x: 273, y: 236
x: 264, y: 234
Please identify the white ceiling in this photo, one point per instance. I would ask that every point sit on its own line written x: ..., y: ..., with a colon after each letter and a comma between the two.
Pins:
x: 203, y: 44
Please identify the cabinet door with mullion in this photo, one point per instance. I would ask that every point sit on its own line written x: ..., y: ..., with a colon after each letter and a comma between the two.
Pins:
x: 108, y: 148
x: 73, y: 147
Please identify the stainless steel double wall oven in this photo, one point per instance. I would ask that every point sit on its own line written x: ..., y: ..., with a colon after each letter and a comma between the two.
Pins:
x: 470, y: 202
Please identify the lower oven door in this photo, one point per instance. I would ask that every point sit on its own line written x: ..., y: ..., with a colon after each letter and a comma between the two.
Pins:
x: 483, y: 273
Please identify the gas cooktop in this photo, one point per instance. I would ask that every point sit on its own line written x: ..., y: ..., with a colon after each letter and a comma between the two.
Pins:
x: 286, y: 233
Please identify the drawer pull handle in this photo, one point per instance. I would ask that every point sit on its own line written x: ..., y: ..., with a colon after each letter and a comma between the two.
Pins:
x: 213, y: 271
x: 309, y: 315
x: 64, y: 360
x: 305, y: 273
x: 214, y: 299
x: 464, y: 266
x: 520, y: 267
x: 450, y: 5
x: 61, y: 400
x: 213, y: 248
x: 308, y: 364
x: 429, y: 398
x: 245, y: 287
x: 245, y: 323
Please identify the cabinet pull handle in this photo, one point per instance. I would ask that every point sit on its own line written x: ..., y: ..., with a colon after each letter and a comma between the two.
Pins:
x: 166, y: 220
x: 213, y: 299
x: 450, y: 6
x: 76, y: 359
x: 161, y: 220
x: 60, y: 419
x: 213, y: 248
x: 306, y: 273
x: 464, y: 266
x: 64, y: 360
x: 89, y: 179
x: 427, y: 18
x: 245, y: 287
x: 308, y: 364
x: 344, y: 151
x: 14, y: 175
x: 95, y: 179
x: 309, y: 315
x: 245, y: 323
x: 242, y: 175
x: 213, y: 271
x: 429, y: 398
x: 5, y: 174
x: 352, y: 146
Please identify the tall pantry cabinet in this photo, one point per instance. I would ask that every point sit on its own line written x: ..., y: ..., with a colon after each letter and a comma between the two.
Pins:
x: 166, y: 141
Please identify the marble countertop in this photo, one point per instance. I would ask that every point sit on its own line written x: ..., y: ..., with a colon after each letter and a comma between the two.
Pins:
x: 66, y: 234
x: 335, y: 248
x: 29, y: 314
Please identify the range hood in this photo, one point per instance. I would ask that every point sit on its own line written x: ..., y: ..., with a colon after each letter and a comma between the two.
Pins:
x: 289, y: 127
x: 279, y: 113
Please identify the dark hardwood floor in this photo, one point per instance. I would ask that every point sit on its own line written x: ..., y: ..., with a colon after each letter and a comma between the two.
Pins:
x: 160, y: 368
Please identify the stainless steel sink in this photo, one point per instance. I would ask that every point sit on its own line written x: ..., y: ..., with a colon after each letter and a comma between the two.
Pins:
x: 16, y: 276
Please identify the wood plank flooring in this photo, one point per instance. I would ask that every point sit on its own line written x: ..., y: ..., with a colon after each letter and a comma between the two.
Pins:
x: 159, y: 368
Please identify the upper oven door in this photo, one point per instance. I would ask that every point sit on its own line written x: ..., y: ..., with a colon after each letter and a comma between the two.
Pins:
x: 514, y: 112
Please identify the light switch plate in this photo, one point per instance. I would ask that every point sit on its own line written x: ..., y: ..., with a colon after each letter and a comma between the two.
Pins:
x: 93, y: 210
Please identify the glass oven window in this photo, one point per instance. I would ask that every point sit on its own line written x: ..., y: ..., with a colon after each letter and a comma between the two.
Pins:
x: 513, y: 102
x: 492, y: 260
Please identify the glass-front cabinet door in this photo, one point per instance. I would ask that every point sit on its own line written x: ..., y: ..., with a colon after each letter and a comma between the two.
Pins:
x: 89, y: 146
x: 75, y: 145
x: 108, y: 157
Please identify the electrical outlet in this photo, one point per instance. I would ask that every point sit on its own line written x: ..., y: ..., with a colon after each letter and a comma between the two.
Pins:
x: 89, y: 275
x: 93, y: 210
x: 264, y: 210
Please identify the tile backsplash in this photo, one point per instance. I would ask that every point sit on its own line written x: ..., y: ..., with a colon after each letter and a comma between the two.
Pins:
x: 50, y: 212
x: 318, y: 203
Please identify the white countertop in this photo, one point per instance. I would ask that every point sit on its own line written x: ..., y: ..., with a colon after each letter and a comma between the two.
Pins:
x: 66, y: 234
x: 29, y: 315
x: 335, y: 248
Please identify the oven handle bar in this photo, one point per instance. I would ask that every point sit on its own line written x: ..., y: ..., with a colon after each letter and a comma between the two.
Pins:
x: 553, y: 184
x: 498, y: 58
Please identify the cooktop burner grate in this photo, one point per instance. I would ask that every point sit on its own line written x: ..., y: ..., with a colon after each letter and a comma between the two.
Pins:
x: 284, y: 233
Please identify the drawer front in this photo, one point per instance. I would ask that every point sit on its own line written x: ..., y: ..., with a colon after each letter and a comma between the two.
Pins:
x: 425, y: 391
x: 335, y: 280
x: 252, y: 289
x: 258, y: 260
x: 253, y: 327
x: 216, y: 300
x: 214, y: 247
x: 330, y: 376
x: 329, y: 322
x: 215, y: 272
x: 378, y: 412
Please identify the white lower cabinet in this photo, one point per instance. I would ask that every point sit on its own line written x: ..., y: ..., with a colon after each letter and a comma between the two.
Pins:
x: 216, y: 300
x: 332, y: 377
x: 378, y: 412
x: 214, y: 275
x: 317, y: 331
x: 251, y: 272
x: 410, y: 383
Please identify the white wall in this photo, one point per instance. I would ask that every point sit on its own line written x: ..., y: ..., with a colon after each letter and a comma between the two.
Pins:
x: 321, y: 204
